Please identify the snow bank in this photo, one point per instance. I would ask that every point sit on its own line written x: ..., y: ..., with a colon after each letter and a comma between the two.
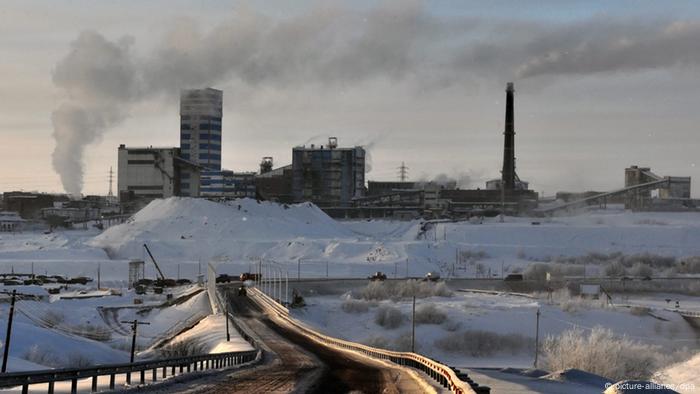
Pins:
x: 187, y: 228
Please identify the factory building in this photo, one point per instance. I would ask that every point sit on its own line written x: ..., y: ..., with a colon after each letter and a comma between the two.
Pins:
x: 200, y: 136
x: 29, y: 205
x: 147, y: 173
x: 672, y: 192
x: 10, y: 221
x: 274, y: 184
x: 227, y: 184
x: 328, y: 176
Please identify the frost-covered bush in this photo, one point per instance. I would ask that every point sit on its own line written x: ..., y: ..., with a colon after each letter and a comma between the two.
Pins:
x: 641, y: 269
x: 188, y: 347
x: 615, y: 269
x: 430, y: 314
x: 601, y: 353
x: 355, y: 306
x: 388, y: 317
x: 402, y: 343
x: 42, y: 356
x: 379, y: 291
x: 47, y: 357
x: 478, y: 343
x: 375, y: 291
x: 78, y: 360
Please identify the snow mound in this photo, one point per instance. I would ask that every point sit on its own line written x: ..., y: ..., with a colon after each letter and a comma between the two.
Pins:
x: 578, y: 376
x: 198, y: 228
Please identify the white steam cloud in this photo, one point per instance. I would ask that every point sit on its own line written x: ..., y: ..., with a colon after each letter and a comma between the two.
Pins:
x: 330, y: 47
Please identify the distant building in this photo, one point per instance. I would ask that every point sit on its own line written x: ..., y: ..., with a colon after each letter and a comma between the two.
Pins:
x: 10, y: 221
x: 227, y: 184
x: 328, y: 176
x: 200, y: 135
x: 147, y: 173
x: 275, y: 184
x: 29, y: 205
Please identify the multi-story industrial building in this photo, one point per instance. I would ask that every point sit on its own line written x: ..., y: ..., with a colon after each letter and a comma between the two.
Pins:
x: 147, y: 173
x: 200, y: 136
x: 328, y: 176
x: 227, y: 184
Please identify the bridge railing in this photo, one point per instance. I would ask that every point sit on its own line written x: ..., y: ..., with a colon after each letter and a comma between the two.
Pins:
x: 176, y: 365
x: 443, y: 374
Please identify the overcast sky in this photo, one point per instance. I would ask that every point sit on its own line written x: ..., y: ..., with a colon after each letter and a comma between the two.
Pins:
x: 599, y: 85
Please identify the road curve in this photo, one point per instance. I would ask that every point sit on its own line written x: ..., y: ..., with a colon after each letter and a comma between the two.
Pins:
x: 294, y: 363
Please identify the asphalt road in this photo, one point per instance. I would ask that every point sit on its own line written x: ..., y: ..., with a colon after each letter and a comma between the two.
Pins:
x: 297, y: 364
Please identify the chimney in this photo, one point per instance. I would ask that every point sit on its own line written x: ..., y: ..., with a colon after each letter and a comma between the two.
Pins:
x: 508, y: 173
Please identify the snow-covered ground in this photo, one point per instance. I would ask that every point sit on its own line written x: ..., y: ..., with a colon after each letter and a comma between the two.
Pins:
x: 508, y: 315
x: 187, y: 234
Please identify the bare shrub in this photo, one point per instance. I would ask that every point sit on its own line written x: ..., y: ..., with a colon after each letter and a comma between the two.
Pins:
x: 53, y: 318
x: 402, y: 343
x: 689, y: 265
x: 42, y: 356
x: 601, y: 353
x: 641, y: 269
x: 355, y: 306
x: 388, y: 317
x: 478, y: 343
x: 379, y: 291
x: 375, y: 291
x: 429, y: 314
x: 78, y: 360
x: 187, y: 347
x: 94, y: 332
x: 615, y: 269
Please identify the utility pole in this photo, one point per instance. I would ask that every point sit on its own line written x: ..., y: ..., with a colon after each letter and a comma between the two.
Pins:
x: 8, y: 335
x: 134, y: 326
x: 228, y: 333
x: 413, y: 329
x: 99, y: 266
x: 537, y: 336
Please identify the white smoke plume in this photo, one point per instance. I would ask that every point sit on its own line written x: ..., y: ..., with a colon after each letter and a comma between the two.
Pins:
x: 332, y: 47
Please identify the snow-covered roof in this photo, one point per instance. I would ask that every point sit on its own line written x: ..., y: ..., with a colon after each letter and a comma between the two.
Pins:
x: 6, y: 216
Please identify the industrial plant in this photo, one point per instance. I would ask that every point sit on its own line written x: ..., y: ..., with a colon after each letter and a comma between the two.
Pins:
x: 331, y: 176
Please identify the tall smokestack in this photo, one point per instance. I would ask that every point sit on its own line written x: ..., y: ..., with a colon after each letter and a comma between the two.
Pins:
x: 508, y: 173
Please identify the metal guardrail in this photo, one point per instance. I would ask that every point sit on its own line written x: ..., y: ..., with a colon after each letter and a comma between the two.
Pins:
x: 177, y: 365
x: 183, y: 364
x: 448, y: 377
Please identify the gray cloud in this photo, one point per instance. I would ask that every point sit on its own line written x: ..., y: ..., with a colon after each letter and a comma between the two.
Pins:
x: 330, y: 47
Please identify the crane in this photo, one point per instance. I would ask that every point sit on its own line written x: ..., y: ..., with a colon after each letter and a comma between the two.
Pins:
x: 162, y: 277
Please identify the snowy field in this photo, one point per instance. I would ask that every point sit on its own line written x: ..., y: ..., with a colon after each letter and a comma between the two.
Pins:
x: 187, y: 234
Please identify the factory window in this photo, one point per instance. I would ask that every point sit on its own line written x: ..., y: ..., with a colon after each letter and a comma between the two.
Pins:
x: 184, y: 136
x: 204, y: 126
x: 140, y: 162
x: 185, y: 156
x: 185, y: 117
x: 184, y: 146
x: 212, y: 156
x: 184, y: 185
x: 185, y: 126
x: 216, y: 127
x: 203, y: 136
x: 215, y: 137
x: 145, y: 188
